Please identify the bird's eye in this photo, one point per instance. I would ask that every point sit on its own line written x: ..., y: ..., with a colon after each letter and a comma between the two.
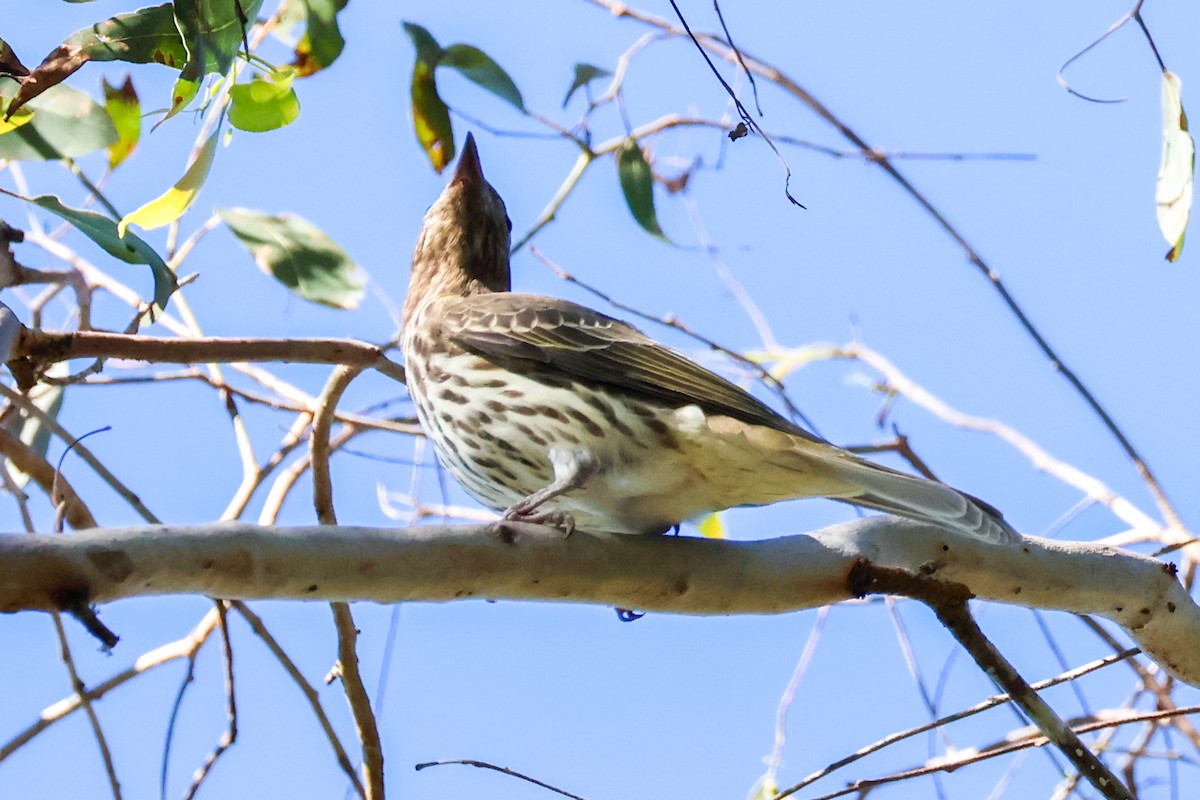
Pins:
x: 508, y: 222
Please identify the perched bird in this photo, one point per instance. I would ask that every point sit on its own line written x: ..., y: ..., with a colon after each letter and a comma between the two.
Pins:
x: 552, y: 412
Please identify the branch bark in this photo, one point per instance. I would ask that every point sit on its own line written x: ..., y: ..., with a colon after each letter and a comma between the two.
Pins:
x: 530, y: 562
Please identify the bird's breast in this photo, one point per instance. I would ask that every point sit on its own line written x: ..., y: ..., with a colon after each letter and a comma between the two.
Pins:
x: 494, y: 430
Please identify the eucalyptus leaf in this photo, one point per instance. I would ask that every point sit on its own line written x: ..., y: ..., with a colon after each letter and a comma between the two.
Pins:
x: 66, y: 123
x: 431, y: 117
x: 584, y: 74
x: 479, y: 68
x: 265, y: 103
x: 174, y: 202
x: 299, y: 255
x: 322, y: 42
x: 121, y: 103
x: 1175, y: 190
x: 129, y: 248
x: 637, y: 184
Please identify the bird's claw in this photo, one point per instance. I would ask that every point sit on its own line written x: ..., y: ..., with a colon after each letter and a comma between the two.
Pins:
x: 554, y: 519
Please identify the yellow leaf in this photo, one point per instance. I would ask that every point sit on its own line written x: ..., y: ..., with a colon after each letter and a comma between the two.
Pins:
x: 171, y: 204
x: 711, y: 526
x: 1177, y: 172
x: 19, y: 118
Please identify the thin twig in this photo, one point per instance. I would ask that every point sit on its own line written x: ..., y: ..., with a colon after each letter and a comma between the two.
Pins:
x: 230, y: 735
x: 86, y: 702
x: 310, y: 694
x: 467, y: 762
x: 187, y: 647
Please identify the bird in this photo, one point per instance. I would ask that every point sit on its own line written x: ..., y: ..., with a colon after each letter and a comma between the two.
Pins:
x: 551, y: 412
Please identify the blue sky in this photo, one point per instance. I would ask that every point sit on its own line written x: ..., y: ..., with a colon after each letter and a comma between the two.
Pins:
x: 668, y: 705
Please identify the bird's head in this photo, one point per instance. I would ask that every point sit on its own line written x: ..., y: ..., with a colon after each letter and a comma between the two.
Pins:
x: 463, y: 247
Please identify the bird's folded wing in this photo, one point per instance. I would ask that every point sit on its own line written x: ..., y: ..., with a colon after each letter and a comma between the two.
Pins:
x: 530, y: 333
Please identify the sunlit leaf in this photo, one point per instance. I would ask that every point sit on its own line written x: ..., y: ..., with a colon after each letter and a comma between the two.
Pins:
x: 322, y: 42
x: 299, y: 255
x: 171, y: 204
x: 711, y: 526
x: 212, y: 33
x: 129, y: 248
x: 18, y: 119
x: 637, y: 184
x: 123, y: 108
x: 66, y: 123
x: 145, y: 36
x: 584, y: 74
x: 1177, y: 172
x: 431, y: 118
x: 182, y: 93
x: 265, y: 103
x: 478, y: 67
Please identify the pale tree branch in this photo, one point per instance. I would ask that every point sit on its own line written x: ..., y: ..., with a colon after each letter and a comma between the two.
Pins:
x: 665, y: 574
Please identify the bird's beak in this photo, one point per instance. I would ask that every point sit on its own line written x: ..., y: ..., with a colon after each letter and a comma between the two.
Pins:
x: 468, y: 170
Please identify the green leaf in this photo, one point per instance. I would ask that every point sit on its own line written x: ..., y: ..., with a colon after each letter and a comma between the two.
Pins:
x: 1177, y: 171
x: 212, y: 32
x: 181, y: 94
x: 145, y: 36
x: 584, y: 74
x: 299, y: 255
x: 66, y: 123
x: 477, y: 67
x: 711, y: 527
x: 322, y: 42
x: 18, y: 119
x: 123, y: 108
x: 265, y: 103
x: 129, y: 248
x: 171, y: 204
x: 428, y: 49
x: 431, y: 118
x: 637, y: 184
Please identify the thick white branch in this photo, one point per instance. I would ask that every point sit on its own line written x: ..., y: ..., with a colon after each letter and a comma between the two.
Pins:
x: 529, y: 562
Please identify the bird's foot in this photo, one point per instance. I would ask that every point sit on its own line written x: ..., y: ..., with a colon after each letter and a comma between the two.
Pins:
x: 554, y: 519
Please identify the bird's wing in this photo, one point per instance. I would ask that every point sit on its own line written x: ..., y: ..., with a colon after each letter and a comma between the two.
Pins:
x: 531, y: 333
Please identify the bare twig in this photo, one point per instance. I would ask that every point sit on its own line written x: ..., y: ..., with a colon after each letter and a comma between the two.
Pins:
x: 306, y: 688
x: 467, y: 762
x: 230, y: 735
x: 86, y: 702
x: 187, y: 647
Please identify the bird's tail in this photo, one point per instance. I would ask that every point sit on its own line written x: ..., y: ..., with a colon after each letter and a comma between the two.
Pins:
x: 928, y: 501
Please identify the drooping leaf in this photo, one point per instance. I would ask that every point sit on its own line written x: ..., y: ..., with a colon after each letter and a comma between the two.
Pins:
x: 212, y: 32
x: 265, y: 103
x: 123, y: 108
x: 10, y: 65
x: 637, y: 184
x: 171, y: 204
x: 431, y: 118
x: 711, y: 526
x: 479, y: 68
x: 130, y: 248
x: 322, y: 42
x: 584, y: 74
x: 145, y: 36
x: 181, y: 94
x: 66, y: 123
x: 1177, y: 171
x: 299, y: 255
